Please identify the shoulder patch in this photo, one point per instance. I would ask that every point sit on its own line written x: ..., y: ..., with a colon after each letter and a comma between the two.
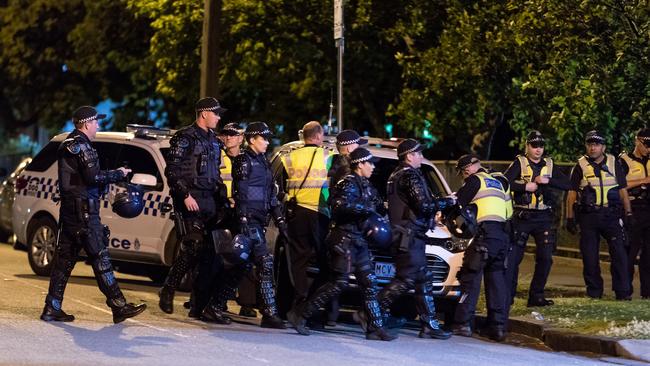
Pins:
x: 183, y: 142
x: 72, y: 145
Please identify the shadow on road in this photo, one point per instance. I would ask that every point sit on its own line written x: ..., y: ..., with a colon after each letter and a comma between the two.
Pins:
x: 110, y: 340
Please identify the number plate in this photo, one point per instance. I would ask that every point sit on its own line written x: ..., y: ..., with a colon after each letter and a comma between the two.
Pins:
x: 384, y: 270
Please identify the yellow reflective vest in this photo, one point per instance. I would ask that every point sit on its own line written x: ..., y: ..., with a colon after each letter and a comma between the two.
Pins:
x: 314, y: 192
x: 636, y: 170
x: 492, y: 201
x: 527, y: 175
x: 602, y: 184
x: 226, y: 172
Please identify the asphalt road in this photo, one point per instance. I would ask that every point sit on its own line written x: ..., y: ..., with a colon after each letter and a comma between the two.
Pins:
x: 161, y: 339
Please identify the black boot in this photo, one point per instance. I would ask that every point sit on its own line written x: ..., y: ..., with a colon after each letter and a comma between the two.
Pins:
x: 298, y: 322
x: 272, y: 321
x: 495, y: 333
x: 212, y: 314
x: 539, y: 301
x: 462, y: 330
x: 122, y: 313
x: 51, y: 314
x: 380, y: 334
x: 166, y: 302
x: 427, y: 312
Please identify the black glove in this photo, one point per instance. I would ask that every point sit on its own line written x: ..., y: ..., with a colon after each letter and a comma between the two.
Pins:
x: 629, y: 221
x: 571, y: 226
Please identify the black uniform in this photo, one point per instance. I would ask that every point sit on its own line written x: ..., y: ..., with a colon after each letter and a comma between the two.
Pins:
x: 256, y: 201
x: 340, y: 169
x: 354, y: 199
x: 639, y: 232
x: 597, y: 220
x: 81, y: 184
x: 538, y: 221
x: 193, y: 169
x: 412, y: 209
x: 485, y: 257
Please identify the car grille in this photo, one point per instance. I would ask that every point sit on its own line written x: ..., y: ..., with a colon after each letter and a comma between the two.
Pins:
x: 438, y: 267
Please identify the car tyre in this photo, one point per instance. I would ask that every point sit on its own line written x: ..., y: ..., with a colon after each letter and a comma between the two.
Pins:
x: 41, y: 241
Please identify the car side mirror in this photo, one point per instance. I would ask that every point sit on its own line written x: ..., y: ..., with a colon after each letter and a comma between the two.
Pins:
x: 146, y: 180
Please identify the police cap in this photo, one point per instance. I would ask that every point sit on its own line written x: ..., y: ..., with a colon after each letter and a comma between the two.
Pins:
x: 209, y: 104
x: 594, y: 136
x: 408, y: 146
x: 535, y: 139
x: 465, y: 160
x: 258, y: 128
x: 644, y: 136
x: 349, y: 137
x: 231, y: 129
x: 86, y: 114
x: 360, y: 155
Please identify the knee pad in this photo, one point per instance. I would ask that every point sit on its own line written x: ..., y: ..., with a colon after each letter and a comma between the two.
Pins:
x: 103, y: 267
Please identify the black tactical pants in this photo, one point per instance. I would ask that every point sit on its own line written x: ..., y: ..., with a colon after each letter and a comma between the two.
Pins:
x: 539, y: 224
x: 485, y: 258
x: 196, y: 241
x: 348, y: 254
x: 604, y: 222
x: 639, y: 237
x: 88, y: 233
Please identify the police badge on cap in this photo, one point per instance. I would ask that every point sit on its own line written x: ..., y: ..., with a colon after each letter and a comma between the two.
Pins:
x: 86, y: 114
x: 209, y: 104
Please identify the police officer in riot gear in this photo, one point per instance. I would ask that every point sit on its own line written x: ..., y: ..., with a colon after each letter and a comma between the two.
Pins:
x: 197, y: 191
x: 255, y: 197
x: 355, y: 199
x: 597, y: 183
x: 532, y: 179
x: 487, y: 254
x: 81, y: 184
x: 346, y: 142
x: 636, y: 166
x: 412, y: 209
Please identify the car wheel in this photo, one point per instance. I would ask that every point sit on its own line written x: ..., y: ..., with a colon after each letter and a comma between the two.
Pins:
x: 41, y: 241
x: 283, y: 284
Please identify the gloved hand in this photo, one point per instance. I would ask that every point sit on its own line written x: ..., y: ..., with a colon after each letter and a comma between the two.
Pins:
x: 283, y: 228
x: 243, y: 225
x: 571, y: 226
x: 629, y: 221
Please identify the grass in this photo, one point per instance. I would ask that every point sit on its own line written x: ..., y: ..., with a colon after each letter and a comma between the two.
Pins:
x: 574, y: 311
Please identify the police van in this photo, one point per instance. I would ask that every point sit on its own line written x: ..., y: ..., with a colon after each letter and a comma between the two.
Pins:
x: 145, y: 245
x: 444, y: 252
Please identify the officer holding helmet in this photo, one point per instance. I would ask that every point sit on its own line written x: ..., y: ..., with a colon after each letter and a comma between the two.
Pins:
x: 636, y: 166
x: 412, y: 209
x: 256, y: 201
x: 197, y: 191
x: 531, y: 178
x: 486, y: 256
x: 355, y: 199
x: 597, y: 190
x: 81, y: 184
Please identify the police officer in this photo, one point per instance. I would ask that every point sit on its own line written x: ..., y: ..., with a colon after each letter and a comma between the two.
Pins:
x: 81, y: 184
x: 354, y: 200
x: 412, y: 209
x: 532, y: 177
x: 636, y: 167
x: 308, y: 213
x: 597, y: 183
x: 346, y: 142
x: 486, y: 256
x: 255, y: 197
x: 197, y: 192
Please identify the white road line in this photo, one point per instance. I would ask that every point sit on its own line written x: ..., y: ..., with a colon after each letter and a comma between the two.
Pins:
x: 181, y: 335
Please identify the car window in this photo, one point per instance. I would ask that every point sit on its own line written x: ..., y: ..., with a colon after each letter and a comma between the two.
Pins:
x: 140, y: 161
x: 45, y: 158
x: 433, y: 180
x: 107, y: 151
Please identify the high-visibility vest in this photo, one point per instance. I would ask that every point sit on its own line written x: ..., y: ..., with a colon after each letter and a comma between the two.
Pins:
x: 527, y: 175
x: 226, y: 172
x: 315, y: 190
x: 492, y: 201
x: 636, y: 171
x: 602, y: 184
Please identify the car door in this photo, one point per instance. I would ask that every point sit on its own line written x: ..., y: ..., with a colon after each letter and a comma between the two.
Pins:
x: 140, y: 237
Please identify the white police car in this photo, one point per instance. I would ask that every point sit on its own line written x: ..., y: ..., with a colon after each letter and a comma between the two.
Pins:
x: 444, y: 252
x: 145, y: 245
